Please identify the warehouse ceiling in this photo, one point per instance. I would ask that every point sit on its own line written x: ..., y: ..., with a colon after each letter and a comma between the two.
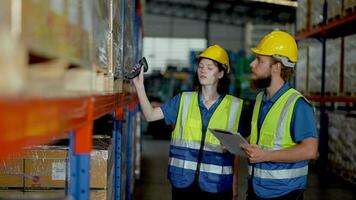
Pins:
x: 231, y: 12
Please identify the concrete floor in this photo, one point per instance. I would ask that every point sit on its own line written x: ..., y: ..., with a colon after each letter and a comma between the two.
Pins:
x: 154, y: 185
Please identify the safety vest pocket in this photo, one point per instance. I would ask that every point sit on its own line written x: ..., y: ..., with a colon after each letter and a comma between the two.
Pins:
x: 267, y: 139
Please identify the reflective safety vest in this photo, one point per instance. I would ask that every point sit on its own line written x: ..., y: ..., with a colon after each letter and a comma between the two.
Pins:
x: 196, y: 155
x: 276, y: 179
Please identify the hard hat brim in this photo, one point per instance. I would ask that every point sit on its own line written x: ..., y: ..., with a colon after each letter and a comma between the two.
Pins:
x: 259, y: 52
x: 228, y: 65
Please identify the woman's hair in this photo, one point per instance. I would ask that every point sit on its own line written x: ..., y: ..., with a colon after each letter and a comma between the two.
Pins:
x: 223, y: 84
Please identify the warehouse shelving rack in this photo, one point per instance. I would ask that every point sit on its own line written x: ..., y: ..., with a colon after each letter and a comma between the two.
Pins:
x: 28, y: 121
x: 340, y: 27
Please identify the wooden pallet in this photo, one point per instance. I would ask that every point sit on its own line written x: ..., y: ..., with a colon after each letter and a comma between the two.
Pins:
x: 347, y: 175
x: 350, y: 10
x: 331, y: 19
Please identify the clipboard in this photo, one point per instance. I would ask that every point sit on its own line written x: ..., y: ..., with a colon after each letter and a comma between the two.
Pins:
x: 231, y: 141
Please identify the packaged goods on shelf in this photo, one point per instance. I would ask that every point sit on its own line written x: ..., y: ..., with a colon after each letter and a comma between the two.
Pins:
x: 101, y: 34
x: 117, y: 38
x: 12, y: 71
x: 302, y: 70
x: 37, y: 23
x: 74, y: 30
x: 46, y: 78
x: 303, y: 15
x: 48, y: 30
x: 11, y: 173
x: 342, y: 140
x: 350, y: 65
x: 128, y: 45
x: 332, y: 66
x: 316, y: 12
x: 5, y: 14
x: 314, y: 67
x: 79, y: 80
x: 87, y: 43
x: 334, y: 9
x: 349, y: 6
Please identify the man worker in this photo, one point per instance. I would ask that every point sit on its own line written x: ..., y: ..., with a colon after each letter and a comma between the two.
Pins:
x: 283, y: 130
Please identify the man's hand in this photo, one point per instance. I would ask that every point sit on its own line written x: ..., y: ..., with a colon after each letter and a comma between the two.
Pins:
x: 254, y: 153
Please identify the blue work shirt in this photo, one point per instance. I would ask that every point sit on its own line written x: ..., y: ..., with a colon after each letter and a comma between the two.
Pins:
x: 303, y: 120
x: 171, y: 107
x: 303, y: 126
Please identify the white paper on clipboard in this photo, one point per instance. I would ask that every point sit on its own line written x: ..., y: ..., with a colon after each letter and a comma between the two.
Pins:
x: 231, y: 141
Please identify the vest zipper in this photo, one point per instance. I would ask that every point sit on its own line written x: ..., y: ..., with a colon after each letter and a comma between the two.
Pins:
x: 200, y: 155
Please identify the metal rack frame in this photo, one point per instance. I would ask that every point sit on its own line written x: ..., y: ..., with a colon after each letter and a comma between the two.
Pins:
x: 31, y: 121
x: 338, y: 28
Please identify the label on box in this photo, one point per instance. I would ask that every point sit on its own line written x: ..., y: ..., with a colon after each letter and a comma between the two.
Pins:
x: 58, y: 171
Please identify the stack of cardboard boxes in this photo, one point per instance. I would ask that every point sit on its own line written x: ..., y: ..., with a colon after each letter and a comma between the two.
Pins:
x: 45, y: 171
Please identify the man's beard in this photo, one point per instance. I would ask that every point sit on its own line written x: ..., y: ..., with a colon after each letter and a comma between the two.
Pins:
x: 261, y: 83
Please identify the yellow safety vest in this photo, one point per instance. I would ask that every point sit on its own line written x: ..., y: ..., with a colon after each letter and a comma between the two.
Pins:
x: 215, y: 171
x: 275, y: 134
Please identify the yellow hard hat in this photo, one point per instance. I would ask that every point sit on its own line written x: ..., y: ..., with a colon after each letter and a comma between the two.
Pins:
x: 278, y: 43
x: 218, y: 54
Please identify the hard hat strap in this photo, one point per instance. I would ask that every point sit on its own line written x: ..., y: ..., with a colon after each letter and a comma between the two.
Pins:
x: 285, y: 61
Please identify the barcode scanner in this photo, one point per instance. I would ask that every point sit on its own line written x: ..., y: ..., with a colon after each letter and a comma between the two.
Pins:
x: 136, y: 69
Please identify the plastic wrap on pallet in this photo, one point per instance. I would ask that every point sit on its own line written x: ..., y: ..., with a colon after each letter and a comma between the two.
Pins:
x: 117, y: 39
x: 101, y: 34
x: 87, y: 39
x: 334, y: 9
x: 74, y: 30
x: 129, y: 36
x: 57, y: 26
x: 316, y: 9
x: 301, y: 69
x: 342, y: 140
x: 36, y: 26
x: 332, y: 66
x: 303, y: 15
x: 350, y: 65
x: 314, y: 67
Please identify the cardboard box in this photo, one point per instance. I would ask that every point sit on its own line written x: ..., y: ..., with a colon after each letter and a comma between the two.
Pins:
x: 98, y: 169
x: 11, y: 173
x: 98, y: 194
x: 45, y: 168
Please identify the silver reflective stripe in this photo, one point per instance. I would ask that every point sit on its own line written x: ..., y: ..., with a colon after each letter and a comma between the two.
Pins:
x: 183, y: 164
x: 196, y: 145
x: 185, y: 104
x: 208, y: 168
x: 282, y: 122
x: 279, y: 174
x: 233, y: 114
x: 216, y: 169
